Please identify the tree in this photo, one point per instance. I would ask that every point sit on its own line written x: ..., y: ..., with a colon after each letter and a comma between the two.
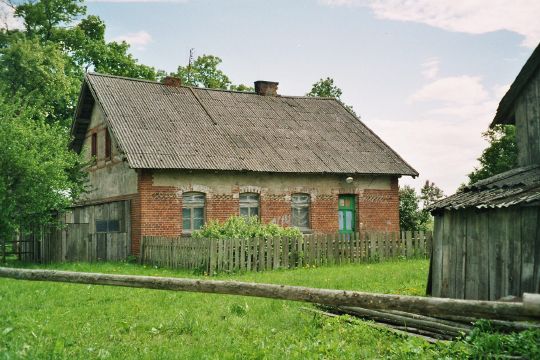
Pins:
x: 38, y: 173
x: 501, y: 154
x: 43, y: 18
x: 88, y: 49
x: 40, y: 76
x: 326, y: 88
x: 411, y: 217
x: 430, y: 193
x: 43, y: 66
x: 204, y: 72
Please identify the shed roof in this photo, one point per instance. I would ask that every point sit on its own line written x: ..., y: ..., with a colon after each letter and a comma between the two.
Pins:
x: 505, y: 111
x: 165, y: 127
x: 517, y: 186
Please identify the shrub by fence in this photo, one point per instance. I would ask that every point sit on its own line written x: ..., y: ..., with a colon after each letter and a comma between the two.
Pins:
x: 259, y: 254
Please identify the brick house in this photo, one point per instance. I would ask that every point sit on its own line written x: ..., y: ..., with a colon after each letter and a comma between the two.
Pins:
x: 175, y: 157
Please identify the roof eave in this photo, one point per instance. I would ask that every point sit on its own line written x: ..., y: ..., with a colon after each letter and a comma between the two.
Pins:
x: 505, y: 111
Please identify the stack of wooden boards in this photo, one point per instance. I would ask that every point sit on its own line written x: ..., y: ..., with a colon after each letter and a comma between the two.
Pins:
x: 430, y: 328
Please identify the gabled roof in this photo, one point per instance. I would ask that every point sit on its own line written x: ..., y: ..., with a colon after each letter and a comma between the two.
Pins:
x: 505, y: 111
x: 165, y: 127
x: 517, y: 186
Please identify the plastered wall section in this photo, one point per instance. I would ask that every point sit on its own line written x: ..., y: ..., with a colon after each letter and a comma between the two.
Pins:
x: 108, y: 178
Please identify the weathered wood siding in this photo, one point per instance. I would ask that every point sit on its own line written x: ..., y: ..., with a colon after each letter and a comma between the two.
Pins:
x: 527, y: 112
x: 486, y: 254
x: 78, y: 238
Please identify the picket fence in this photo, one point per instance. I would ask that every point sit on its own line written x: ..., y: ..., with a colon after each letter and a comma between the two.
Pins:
x: 213, y: 256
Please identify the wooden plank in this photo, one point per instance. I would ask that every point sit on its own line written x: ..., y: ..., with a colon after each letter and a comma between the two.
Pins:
x: 262, y: 255
x: 460, y: 251
x: 436, y: 257
x: 285, y: 253
x: 249, y: 253
x: 537, y: 254
x: 497, y: 231
x: 276, y: 244
x: 529, y: 228
x: 448, y: 256
x: 213, y: 257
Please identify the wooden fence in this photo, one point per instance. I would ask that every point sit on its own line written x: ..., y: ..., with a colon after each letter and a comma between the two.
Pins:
x: 228, y: 255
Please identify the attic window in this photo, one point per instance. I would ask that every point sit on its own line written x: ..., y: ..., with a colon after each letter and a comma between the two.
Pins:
x: 107, y: 144
x: 94, y: 145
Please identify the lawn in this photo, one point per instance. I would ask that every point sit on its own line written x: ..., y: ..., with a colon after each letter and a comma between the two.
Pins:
x: 54, y: 320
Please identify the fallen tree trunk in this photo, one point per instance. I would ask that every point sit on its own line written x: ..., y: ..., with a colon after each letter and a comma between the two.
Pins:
x: 416, y: 304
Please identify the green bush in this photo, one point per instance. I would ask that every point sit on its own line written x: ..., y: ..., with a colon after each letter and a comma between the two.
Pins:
x: 244, y: 228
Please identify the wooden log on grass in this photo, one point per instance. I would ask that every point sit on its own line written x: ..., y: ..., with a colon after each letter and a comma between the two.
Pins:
x: 399, y: 330
x: 414, y: 304
x: 431, y: 326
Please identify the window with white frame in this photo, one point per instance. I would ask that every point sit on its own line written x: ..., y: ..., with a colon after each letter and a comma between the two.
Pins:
x: 192, y: 211
x: 300, y: 211
x: 249, y: 205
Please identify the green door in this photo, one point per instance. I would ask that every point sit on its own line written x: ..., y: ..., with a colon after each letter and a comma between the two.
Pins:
x: 346, y: 214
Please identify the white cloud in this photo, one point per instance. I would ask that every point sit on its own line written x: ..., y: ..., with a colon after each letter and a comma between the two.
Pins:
x: 444, y: 141
x: 469, y: 16
x: 138, y: 40
x: 441, y: 150
x: 430, y: 68
x: 455, y: 90
x: 7, y: 18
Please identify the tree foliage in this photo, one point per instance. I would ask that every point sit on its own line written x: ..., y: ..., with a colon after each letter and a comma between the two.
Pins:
x: 41, y: 76
x: 205, y: 72
x: 430, y: 193
x: 38, y: 174
x: 501, y: 154
x: 327, y: 88
x: 45, y: 63
x: 411, y: 216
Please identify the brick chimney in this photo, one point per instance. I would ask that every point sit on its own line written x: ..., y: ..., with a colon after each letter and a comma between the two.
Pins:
x: 172, y: 81
x: 266, y: 88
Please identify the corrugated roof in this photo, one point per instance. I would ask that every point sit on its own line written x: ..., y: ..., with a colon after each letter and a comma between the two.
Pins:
x: 505, y: 110
x: 158, y: 126
x: 517, y: 186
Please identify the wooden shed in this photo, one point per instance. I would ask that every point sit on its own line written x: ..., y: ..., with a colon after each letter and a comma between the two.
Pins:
x: 486, y: 241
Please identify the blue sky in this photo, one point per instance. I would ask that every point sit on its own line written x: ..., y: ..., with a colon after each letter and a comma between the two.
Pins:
x: 425, y: 75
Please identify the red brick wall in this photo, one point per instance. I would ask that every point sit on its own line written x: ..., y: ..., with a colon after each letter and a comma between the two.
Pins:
x: 379, y: 209
x: 222, y: 206
x: 275, y: 209
x: 324, y: 214
x: 157, y: 210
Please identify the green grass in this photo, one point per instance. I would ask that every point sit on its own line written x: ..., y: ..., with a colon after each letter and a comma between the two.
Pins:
x: 66, y: 321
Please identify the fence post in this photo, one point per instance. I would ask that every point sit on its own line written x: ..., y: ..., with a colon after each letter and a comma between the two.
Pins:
x: 212, y: 262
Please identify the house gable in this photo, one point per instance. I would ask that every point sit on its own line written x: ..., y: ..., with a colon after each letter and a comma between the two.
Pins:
x: 109, y: 177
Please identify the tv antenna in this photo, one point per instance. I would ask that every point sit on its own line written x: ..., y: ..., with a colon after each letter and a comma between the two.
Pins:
x: 189, y: 65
